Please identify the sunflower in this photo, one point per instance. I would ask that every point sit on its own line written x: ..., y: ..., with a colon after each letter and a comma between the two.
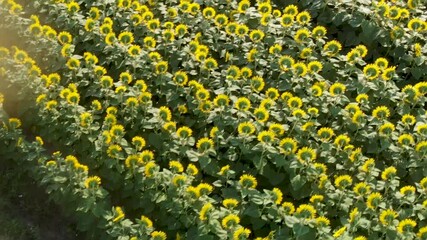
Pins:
x: 221, y: 100
x: 387, y: 217
x: 230, y: 203
x: 265, y: 8
x: 325, y: 133
x: 406, y: 225
x: 243, y: 6
x: 373, y: 200
x: 202, y: 94
x: 181, y: 29
x: 381, y: 112
x: 405, y: 140
x: 417, y: 25
x: 388, y: 73
x: 306, y: 211
x: 291, y: 9
x: 288, y: 208
x: 241, y: 233
x: 246, y: 128
x: 286, y: 62
x: 221, y: 20
x: 332, y: 48
x: 205, y: 144
x: 343, y: 181
x: 162, y: 67
x: 230, y: 221
x: 318, y: 32
x: 126, y: 38
x: 294, y: 102
x: 300, y: 69
x: 180, y: 78
x: 302, y: 35
x: 256, y: 35
x: 184, y: 132
x: 314, y: 66
x: 261, y: 114
x: 286, y: 20
x: 248, y: 181
x: 306, y: 154
x: 361, y: 189
x: 266, y: 137
x: 209, y: 13
x: 242, y: 104
x: 165, y: 113
x: 371, y: 71
x: 303, y: 18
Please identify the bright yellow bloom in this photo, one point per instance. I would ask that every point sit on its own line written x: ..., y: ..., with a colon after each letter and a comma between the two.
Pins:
x: 406, y: 225
x: 288, y: 208
x: 306, y: 211
x: 138, y: 142
x: 371, y: 71
x: 158, y: 235
x: 242, y: 104
x: 342, y: 141
x: 149, y: 169
x: 133, y: 160
x: 319, y: 32
x: 248, y: 181
x: 256, y: 35
x: 422, y: 233
x: 406, y: 140
x: 176, y: 166
x: 322, y: 221
x: 302, y: 35
x: 230, y: 203
x: 407, y: 190
x: 306, y: 154
x: 146, y: 221
x: 184, y: 132
x: 205, y: 144
x: 340, y: 232
x: 92, y: 182
x: 332, y: 48
x: 381, y: 112
x: 266, y: 137
x: 165, y: 113
x: 288, y: 145
x: 178, y: 180
x: 361, y: 189
x: 230, y: 221
x: 303, y: 18
x: 316, y: 198
x: 325, y: 133
x: 119, y: 214
x: 241, y: 233
x: 386, y: 129
x: 203, y: 215
x: 278, y: 195
x: 261, y: 114
x: 337, y: 89
x: 192, y: 169
x: 373, y: 200
x: 343, y: 181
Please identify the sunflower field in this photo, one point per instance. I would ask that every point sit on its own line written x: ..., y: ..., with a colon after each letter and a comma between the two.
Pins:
x: 221, y: 119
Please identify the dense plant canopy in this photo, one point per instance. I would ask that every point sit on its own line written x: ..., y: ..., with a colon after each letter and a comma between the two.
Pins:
x: 222, y: 119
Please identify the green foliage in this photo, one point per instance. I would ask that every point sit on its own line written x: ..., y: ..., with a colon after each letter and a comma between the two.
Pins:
x: 230, y: 122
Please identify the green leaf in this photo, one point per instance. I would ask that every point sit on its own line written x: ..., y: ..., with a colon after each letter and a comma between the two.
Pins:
x: 252, y: 211
x: 297, y: 182
x: 300, y: 230
x: 60, y: 179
